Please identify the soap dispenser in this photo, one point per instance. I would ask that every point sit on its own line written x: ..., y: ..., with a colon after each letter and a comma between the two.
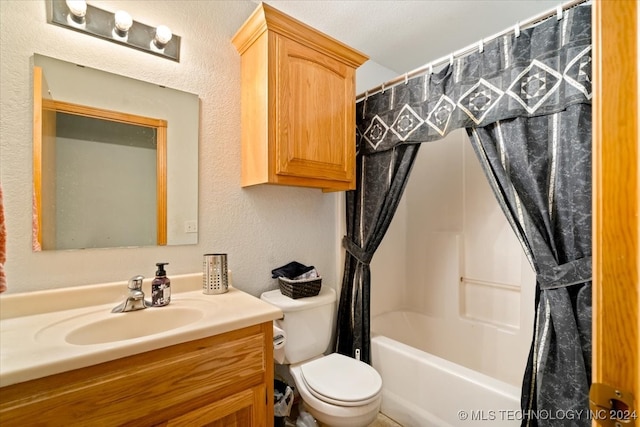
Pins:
x: 160, y: 287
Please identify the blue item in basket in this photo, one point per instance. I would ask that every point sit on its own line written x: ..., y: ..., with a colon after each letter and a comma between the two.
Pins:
x: 291, y: 270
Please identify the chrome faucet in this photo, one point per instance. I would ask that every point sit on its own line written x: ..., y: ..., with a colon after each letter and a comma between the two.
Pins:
x: 135, y: 299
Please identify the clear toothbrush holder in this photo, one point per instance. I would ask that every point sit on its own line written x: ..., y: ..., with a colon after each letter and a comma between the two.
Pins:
x: 215, y: 278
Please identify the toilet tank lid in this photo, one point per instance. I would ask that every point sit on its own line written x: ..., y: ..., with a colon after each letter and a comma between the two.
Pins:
x: 326, y: 296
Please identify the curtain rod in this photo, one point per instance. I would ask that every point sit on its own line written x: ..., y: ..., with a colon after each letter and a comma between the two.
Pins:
x: 479, y: 45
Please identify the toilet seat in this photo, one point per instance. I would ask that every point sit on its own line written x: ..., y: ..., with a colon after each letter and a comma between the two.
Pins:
x: 341, y: 380
x: 339, y: 413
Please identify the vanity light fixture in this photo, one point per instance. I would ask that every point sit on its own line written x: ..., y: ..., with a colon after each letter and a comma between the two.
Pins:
x: 118, y: 27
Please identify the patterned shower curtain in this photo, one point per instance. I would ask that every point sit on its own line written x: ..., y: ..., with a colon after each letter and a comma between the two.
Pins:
x: 526, y: 104
x: 370, y: 209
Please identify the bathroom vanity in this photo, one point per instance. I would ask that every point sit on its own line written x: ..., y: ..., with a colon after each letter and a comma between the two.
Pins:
x: 215, y: 368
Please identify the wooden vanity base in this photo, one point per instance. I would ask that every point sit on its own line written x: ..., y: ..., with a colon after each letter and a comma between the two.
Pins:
x: 224, y: 380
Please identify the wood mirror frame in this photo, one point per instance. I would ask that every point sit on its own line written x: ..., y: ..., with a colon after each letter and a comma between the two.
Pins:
x: 44, y: 111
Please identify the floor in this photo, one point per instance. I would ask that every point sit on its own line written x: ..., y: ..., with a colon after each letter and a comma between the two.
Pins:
x: 381, y: 421
x: 384, y: 421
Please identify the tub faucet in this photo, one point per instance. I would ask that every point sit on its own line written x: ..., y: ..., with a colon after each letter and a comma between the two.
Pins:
x: 135, y: 299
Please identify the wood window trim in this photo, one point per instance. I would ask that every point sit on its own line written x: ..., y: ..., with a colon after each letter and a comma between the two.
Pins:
x: 616, y: 201
x: 40, y: 105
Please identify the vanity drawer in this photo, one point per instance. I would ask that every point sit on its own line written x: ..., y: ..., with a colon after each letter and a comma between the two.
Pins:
x: 149, y: 388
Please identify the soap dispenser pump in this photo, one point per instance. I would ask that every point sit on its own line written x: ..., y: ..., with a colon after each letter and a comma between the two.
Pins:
x: 160, y: 287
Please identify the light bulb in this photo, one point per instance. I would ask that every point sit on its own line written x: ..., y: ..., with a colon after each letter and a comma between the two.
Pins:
x: 123, y: 21
x: 78, y: 9
x: 163, y: 36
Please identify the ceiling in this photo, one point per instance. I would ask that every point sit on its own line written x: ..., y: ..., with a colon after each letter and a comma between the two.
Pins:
x: 402, y: 35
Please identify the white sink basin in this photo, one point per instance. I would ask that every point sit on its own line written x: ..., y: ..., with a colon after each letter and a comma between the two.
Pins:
x: 134, y: 324
x: 103, y: 326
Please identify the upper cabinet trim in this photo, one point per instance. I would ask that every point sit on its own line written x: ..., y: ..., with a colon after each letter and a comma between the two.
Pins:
x: 266, y: 18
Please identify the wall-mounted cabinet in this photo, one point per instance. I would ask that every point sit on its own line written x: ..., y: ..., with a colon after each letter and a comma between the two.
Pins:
x: 298, y: 104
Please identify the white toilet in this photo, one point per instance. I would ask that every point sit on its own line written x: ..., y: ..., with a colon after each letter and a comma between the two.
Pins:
x: 337, y: 390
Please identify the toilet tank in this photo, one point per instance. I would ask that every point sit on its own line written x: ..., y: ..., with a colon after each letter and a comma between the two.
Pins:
x: 308, y: 322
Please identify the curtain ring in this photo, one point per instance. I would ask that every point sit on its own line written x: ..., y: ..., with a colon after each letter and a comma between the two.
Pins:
x: 481, y: 46
x: 431, y: 68
x: 382, y: 87
x: 516, y: 29
x: 451, y: 59
x: 406, y: 78
x: 559, y: 12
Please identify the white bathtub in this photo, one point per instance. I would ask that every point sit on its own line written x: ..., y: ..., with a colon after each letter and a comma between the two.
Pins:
x: 421, y: 389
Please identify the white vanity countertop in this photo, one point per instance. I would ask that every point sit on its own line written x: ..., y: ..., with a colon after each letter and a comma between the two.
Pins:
x: 34, y: 325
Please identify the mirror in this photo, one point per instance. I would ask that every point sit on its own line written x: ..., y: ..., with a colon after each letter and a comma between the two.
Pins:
x: 115, y: 160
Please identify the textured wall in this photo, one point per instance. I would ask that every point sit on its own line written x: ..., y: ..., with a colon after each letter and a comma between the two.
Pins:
x: 260, y: 227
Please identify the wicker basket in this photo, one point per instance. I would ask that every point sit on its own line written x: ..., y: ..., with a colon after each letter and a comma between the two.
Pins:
x: 300, y: 288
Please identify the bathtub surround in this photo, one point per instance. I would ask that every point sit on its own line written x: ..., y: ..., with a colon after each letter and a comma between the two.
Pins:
x: 525, y: 100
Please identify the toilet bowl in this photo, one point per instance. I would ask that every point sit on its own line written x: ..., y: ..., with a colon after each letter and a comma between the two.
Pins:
x: 336, y: 389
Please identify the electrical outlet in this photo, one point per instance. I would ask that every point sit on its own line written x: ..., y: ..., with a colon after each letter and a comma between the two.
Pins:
x: 190, y: 227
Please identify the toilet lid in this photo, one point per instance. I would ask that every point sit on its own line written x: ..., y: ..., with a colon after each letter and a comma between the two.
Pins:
x: 341, y: 380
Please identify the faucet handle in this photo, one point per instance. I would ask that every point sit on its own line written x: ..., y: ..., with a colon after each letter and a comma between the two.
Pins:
x: 135, y: 283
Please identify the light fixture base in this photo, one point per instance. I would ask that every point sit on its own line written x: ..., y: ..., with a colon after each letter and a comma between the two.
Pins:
x: 100, y: 23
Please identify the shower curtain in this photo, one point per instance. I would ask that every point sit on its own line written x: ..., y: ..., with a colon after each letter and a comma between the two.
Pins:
x: 526, y: 104
x: 370, y: 211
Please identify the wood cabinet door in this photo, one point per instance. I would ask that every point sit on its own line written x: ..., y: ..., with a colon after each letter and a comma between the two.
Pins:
x: 315, y: 117
x: 244, y: 409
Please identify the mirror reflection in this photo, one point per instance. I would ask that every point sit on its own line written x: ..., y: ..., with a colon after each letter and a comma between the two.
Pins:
x: 115, y: 160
